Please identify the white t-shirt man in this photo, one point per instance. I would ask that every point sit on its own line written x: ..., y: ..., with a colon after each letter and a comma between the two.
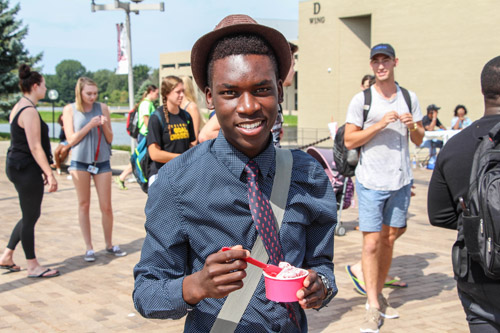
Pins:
x: 384, y: 163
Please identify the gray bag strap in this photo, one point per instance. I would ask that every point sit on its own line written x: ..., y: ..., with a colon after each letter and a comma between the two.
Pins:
x: 237, y: 302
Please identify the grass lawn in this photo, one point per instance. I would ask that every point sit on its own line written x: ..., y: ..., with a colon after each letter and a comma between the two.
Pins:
x: 6, y: 137
x: 47, y: 116
x: 290, y: 120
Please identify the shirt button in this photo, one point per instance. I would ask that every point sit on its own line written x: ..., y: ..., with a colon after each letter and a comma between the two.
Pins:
x: 276, y: 327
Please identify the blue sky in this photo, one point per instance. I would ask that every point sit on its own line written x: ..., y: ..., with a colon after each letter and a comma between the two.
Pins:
x: 67, y: 29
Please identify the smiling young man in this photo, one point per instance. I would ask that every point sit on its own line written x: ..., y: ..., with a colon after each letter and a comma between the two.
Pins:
x: 383, y: 175
x: 200, y: 201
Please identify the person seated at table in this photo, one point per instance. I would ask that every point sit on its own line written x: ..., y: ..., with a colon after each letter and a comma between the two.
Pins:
x: 460, y: 121
x: 432, y: 123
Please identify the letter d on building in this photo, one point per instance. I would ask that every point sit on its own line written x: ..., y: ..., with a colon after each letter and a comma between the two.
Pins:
x: 317, y: 8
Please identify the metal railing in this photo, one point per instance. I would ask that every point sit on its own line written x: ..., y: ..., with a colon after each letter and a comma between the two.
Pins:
x: 305, y: 137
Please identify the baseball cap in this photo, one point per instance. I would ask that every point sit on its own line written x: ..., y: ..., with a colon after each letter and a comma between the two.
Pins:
x: 386, y: 49
x: 238, y: 24
x: 433, y: 107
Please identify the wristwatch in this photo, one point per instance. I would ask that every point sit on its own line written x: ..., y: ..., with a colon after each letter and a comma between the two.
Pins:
x: 414, y: 127
x: 327, y: 285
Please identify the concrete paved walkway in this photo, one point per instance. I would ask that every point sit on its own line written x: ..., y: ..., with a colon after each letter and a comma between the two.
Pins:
x: 96, y: 297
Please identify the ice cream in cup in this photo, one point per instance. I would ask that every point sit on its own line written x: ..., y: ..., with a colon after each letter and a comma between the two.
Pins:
x: 284, y: 286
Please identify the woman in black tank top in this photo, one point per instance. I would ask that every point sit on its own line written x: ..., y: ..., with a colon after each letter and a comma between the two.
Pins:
x: 27, y: 166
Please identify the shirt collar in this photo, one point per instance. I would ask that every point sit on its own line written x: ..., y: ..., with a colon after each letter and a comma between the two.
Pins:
x: 235, y: 160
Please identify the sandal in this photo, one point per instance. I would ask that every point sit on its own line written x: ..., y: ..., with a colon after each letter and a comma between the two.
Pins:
x: 11, y: 268
x: 396, y: 283
x: 42, y: 275
x: 358, y: 285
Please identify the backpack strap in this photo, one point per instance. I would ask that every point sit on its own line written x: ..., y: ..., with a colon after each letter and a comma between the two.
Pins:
x: 237, y: 302
x: 162, y: 120
x: 368, y: 103
x: 494, y: 134
x: 407, y: 98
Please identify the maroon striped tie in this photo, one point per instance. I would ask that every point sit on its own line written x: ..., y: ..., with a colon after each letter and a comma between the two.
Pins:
x: 263, y: 219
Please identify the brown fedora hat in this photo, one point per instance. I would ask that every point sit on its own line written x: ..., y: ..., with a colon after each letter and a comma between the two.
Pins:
x: 238, y: 24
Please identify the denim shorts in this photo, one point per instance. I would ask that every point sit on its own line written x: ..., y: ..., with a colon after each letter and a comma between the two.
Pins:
x: 382, y: 207
x: 79, y: 166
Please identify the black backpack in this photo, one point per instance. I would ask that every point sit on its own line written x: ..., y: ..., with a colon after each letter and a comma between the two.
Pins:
x: 133, y: 123
x: 346, y: 160
x: 481, y: 218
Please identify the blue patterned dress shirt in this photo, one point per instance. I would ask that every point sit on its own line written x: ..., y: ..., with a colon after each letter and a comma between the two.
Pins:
x: 199, y: 204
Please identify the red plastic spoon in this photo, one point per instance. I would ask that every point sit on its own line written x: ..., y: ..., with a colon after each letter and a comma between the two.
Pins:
x: 271, y: 270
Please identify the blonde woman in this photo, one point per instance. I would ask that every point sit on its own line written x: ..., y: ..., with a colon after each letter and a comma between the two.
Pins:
x: 170, y: 128
x: 88, y: 131
x: 28, y: 168
x: 189, y: 104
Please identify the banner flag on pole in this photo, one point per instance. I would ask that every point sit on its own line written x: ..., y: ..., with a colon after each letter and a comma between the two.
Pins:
x: 122, y: 49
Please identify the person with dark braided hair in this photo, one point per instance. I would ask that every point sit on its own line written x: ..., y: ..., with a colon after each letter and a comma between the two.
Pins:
x: 171, y: 130
x: 28, y: 168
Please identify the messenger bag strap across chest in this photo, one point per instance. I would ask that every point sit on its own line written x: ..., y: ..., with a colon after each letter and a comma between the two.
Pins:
x: 236, y: 302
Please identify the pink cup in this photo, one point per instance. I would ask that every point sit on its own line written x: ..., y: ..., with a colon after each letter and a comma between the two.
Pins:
x: 283, y: 290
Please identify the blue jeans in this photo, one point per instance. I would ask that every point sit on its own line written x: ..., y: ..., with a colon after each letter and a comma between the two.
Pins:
x: 432, y: 145
x: 79, y: 166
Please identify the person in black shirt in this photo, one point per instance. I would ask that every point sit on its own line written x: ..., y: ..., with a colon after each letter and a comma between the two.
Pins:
x: 480, y: 295
x: 171, y: 130
x: 432, y: 123
x: 28, y: 168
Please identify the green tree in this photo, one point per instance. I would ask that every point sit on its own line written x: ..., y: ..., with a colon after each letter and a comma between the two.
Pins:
x: 114, y: 97
x: 141, y: 73
x: 12, y: 54
x: 155, y: 77
x: 64, y: 81
x: 68, y: 72
x: 123, y: 97
x: 101, y: 77
x: 117, y: 82
x: 142, y: 90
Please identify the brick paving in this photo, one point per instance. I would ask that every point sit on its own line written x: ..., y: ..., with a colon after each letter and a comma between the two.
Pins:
x: 96, y: 297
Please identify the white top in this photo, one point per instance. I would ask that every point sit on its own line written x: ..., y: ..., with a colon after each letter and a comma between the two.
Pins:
x: 444, y: 135
x: 384, y: 163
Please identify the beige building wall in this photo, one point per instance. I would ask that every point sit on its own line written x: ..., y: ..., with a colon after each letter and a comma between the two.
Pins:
x: 441, y: 45
x: 175, y: 63
x: 179, y: 64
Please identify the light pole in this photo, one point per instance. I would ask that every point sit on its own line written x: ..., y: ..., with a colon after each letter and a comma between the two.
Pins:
x: 53, y: 95
x: 128, y: 7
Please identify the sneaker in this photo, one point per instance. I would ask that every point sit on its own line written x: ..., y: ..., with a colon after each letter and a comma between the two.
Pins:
x: 386, y: 310
x: 89, y: 256
x: 116, y: 251
x: 372, y: 321
x: 121, y: 184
